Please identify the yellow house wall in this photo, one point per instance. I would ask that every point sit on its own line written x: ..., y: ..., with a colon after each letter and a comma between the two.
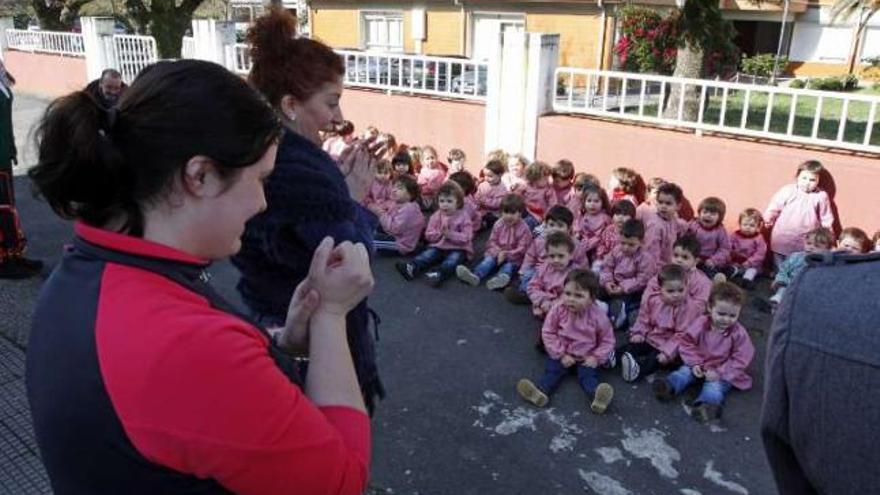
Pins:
x: 579, y: 35
x: 444, y: 33
x: 338, y: 27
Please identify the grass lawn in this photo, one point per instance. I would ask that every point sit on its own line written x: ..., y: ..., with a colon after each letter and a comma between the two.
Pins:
x: 805, y: 112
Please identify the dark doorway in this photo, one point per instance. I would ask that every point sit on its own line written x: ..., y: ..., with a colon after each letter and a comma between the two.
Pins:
x: 755, y: 37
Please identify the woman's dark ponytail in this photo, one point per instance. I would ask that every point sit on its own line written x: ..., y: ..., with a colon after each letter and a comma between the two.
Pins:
x: 105, y: 166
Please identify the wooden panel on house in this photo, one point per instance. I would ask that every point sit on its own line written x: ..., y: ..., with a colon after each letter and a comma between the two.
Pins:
x: 816, y: 69
x: 338, y: 27
x: 445, y: 30
x: 579, y: 35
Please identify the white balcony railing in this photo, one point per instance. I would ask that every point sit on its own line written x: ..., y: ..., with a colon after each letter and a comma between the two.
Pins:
x: 238, y: 58
x: 46, y: 42
x: 133, y: 53
x: 822, y: 118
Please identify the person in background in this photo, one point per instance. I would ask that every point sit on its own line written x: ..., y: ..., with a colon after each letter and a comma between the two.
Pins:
x: 490, y: 192
x: 309, y: 195
x: 664, y: 226
x: 431, y: 176
x: 648, y: 208
x: 380, y: 193
x: 854, y: 240
x: 401, y: 224
x: 623, y: 184
x: 563, y: 176
x: 469, y: 185
x: 747, y: 250
x: 456, y: 160
x: 820, y: 240
x: 13, y: 263
x: 338, y: 139
x: 709, y: 229
x: 107, y: 89
x: 537, y: 193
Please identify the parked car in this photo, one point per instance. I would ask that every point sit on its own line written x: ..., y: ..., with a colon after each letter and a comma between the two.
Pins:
x: 472, y: 81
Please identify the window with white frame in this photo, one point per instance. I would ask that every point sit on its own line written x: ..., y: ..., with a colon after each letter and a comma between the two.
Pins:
x: 382, y: 31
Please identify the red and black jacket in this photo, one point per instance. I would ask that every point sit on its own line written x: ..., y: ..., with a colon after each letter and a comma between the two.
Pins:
x: 142, y: 380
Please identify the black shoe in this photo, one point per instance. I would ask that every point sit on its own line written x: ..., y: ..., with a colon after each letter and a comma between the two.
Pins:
x: 516, y: 296
x: 407, y: 269
x: 704, y: 413
x: 17, y: 271
x: 435, y: 279
x: 662, y: 391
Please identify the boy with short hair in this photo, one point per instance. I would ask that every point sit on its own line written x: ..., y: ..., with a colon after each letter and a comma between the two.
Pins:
x: 664, y: 227
x: 626, y: 272
x: 686, y: 252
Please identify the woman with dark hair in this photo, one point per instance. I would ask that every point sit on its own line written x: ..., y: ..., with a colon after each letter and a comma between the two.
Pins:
x: 309, y: 195
x: 140, y: 378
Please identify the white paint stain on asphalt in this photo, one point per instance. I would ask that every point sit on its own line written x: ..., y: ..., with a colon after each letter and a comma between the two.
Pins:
x: 689, y: 491
x: 603, y: 485
x: 651, y: 444
x: 461, y: 341
x: 508, y: 420
x: 715, y: 476
x: 610, y: 454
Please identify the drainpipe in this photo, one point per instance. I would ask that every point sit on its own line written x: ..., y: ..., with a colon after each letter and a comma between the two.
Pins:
x: 856, y: 46
x: 779, y: 47
x: 600, y: 53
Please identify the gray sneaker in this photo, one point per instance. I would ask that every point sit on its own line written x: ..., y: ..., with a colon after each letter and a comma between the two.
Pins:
x: 499, y: 281
x: 531, y: 393
x: 602, y: 398
x: 629, y: 368
x: 466, y: 275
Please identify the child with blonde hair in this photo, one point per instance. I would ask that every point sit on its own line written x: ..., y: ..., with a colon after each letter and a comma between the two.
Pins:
x: 431, y: 176
x: 819, y: 240
x: 747, y: 249
x: 577, y: 337
x: 450, y: 239
x: 709, y: 229
x: 515, y: 177
x: 716, y: 349
x: 563, y: 173
x: 380, y: 192
x: 490, y: 192
x: 854, y: 240
x: 796, y: 209
x: 623, y: 184
x: 505, y: 250
x: 456, y: 160
x: 652, y: 344
x: 646, y: 209
x: 537, y: 193
x: 401, y: 225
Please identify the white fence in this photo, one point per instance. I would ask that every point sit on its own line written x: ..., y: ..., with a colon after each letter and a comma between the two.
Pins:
x: 188, y: 47
x: 436, y: 76
x: 46, y: 42
x: 133, y: 53
x: 238, y: 58
x: 822, y: 118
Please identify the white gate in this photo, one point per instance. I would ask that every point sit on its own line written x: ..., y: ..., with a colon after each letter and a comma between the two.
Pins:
x: 132, y: 54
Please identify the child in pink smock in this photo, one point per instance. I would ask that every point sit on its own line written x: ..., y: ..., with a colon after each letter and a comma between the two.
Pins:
x: 380, y: 192
x: 623, y: 184
x: 646, y: 209
x: 716, y: 349
x: 577, y: 337
x: 663, y: 227
x: 562, y: 173
x: 469, y: 185
x: 537, y: 193
x: 593, y: 220
x: 709, y: 229
x: 490, y: 192
x: 401, y: 225
x: 621, y: 211
x: 747, y: 250
x: 545, y: 287
x: 431, y: 176
x: 685, y: 254
x: 797, y: 209
x: 626, y: 272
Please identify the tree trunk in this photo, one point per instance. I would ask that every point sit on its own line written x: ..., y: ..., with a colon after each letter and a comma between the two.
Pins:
x: 689, y: 64
x: 49, y: 16
x: 168, y: 24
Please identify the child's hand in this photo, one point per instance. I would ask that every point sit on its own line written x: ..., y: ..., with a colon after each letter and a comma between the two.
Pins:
x: 502, y: 256
x: 637, y: 339
x: 568, y: 361
x: 590, y: 362
x: 697, y: 371
x: 712, y: 376
x: 662, y: 358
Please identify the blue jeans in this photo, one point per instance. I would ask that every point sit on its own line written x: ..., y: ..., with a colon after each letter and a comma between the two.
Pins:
x: 385, y: 242
x: 448, y: 259
x: 554, y: 372
x: 488, y: 264
x: 711, y: 393
x: 524, y: 279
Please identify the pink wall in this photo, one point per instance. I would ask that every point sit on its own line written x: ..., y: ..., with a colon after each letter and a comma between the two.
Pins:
x: 45, y: 74
x: 417, y: 120
x: 742, y: 173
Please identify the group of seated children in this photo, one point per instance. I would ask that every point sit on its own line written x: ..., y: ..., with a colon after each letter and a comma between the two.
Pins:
x: 589, y: 266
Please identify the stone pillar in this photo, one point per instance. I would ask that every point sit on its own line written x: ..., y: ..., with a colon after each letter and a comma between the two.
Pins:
x: 211, y: 37
x: 97, y: 35
x: 540, y: 86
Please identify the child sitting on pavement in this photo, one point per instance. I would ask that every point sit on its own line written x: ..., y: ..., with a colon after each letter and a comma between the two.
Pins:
x: 546, y: 286
x: 747, y: 250
x: 854, y: 240
x: 709, y: 229
x: 450, y: 237
x: 647, y: 208
x: 621, y: 211
x: 469, y: 186
x: 505, y: 250
x: 697, y: 284
x: 819, y: 240
x: 562, y: 173
x: 663, y: 227
x: 626, y: 272
x: 401, y: 225
x: 537, y: 193
x: 490, y: 192
x: 593, y: 220
x: 716, y: 349
x: 577, y: 336
x: 380, y: 192
x: 652, y: 344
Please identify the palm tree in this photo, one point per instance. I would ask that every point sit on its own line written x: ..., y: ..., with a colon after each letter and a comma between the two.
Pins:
x: 863, y: 10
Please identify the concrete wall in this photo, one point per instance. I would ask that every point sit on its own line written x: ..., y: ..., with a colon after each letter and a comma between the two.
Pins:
x: 743, y: 173
x: 414, y: 120
x: 46, y: 74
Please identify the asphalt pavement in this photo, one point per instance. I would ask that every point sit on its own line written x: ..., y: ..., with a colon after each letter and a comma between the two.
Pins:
x: 452, y: 422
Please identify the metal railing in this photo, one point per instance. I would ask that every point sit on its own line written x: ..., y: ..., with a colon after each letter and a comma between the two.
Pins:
x: 238, y: 58
x: 822, y: 118
x: 46, y: 42
x: 133, y: 53
x: 188, y: 47
x: 436, y: 76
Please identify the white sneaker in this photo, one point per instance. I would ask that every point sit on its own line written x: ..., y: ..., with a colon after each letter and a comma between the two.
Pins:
x: 612, y: 360
x: 629, y: 368
x: 466, y: 275
x: 499, y: 281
